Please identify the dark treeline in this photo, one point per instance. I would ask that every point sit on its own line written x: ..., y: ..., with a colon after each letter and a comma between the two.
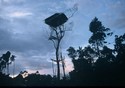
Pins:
x: 96, y: 64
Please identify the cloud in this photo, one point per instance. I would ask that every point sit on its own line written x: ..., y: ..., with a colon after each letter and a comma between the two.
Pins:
x: 120, y: 21
x: 115, y: 15
x: 20, y: 14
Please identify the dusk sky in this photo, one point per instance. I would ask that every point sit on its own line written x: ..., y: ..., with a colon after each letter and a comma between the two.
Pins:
x: 24, y: 33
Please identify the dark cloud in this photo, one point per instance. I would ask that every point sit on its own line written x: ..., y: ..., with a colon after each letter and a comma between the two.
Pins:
x: 5, y: 33
x: 29, y: 40
x: 28, y: 45
x: 25, y: 43
x: 118, y: 14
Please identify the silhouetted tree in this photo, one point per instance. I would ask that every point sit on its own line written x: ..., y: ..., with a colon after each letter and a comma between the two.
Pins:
x: 35, y: 79
x: 120, y: 48
x: 80, y: 53
x: 83, y: 64
x: 5, y: 80
x: 19, y: 80
x: 2, y: 64
x: 5, y: 61
x: 108, y: 54
x: 120, y: 59
x: 99, y: 33
x: 93, y: 64
x: 72, y: 53
x: 104, y: 65
x: 89, y: 54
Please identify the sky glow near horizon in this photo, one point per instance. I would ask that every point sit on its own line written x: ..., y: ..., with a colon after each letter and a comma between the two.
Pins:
x: 24, y: 33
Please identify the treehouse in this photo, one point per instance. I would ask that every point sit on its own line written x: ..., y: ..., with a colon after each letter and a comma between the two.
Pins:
x: 56, y: 20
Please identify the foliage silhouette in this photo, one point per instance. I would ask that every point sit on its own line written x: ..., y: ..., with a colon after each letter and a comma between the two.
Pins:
x: 99, y: 34
x: 99, y: 66
x: 5, y: 61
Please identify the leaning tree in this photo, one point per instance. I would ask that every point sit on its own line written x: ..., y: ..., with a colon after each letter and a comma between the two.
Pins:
x: 99, y: 35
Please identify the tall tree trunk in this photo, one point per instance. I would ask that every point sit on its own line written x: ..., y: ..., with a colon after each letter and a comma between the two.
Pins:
x: 57, y: 58
x: 64, y: 70
x: 53, y: 68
